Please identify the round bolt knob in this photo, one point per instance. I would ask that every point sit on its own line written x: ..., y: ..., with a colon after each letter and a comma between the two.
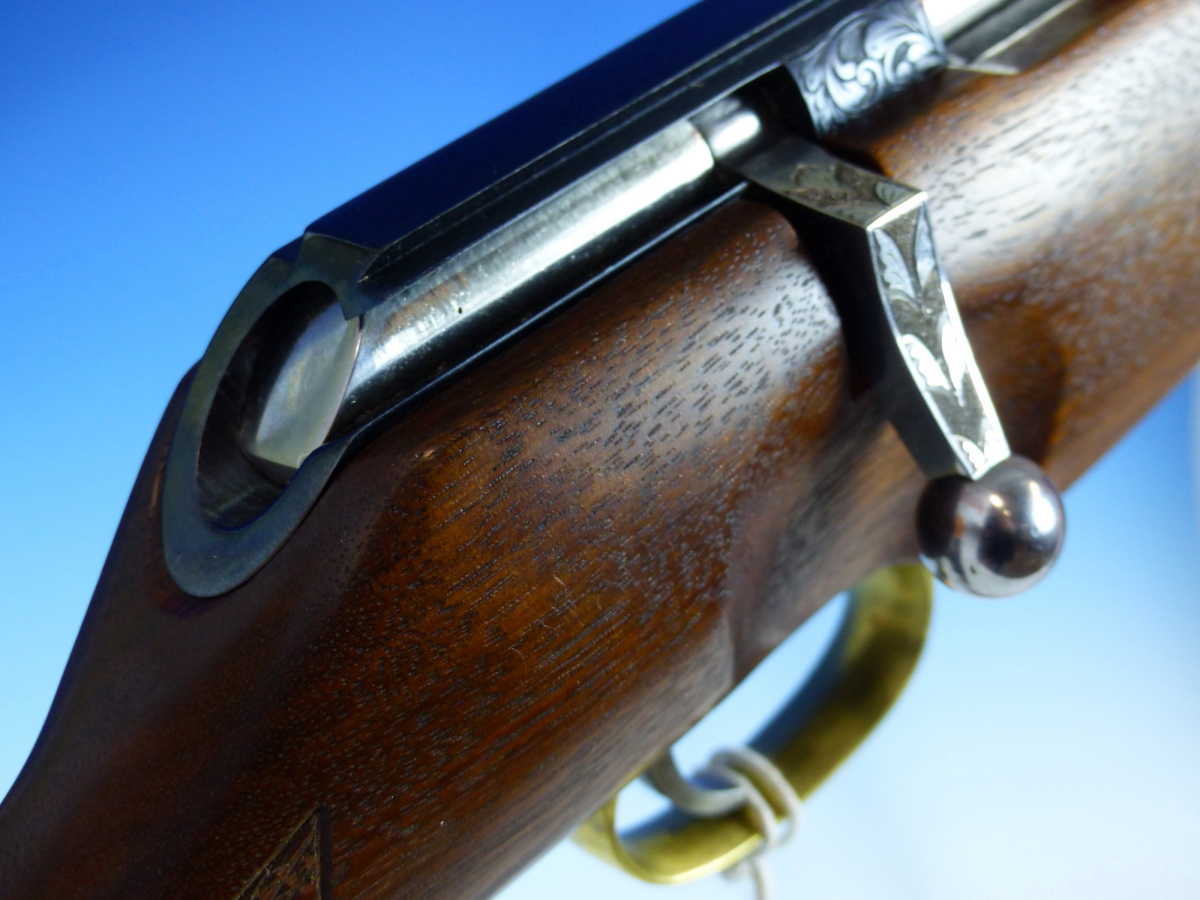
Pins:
x: 995, y: 536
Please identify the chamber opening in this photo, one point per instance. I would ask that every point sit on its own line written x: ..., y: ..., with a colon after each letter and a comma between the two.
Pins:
x: 275, y: 404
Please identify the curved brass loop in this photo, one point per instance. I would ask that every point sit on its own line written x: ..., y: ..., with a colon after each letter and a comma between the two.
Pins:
x: 861, y: 675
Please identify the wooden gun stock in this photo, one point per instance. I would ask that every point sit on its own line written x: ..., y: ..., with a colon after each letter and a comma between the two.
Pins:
x: 526, y: 589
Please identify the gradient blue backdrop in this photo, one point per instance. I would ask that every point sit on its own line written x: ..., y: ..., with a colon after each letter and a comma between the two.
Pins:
x: 152, y: 154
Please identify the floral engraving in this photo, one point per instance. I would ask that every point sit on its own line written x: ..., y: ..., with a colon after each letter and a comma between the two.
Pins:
x: 955, y: 353
x: 877, y: 241
x: 928, y: 366
x: 846, y: 192
x: 866, y: 57
x: 894, y: 270
x: 994, y: 449
x: 923, y: 250
x: 931, y: 338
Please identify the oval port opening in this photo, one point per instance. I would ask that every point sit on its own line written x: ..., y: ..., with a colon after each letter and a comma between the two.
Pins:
x: 276, y: 403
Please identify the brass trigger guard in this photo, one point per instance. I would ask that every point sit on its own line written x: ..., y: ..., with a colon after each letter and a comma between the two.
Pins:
x: 859, y: 678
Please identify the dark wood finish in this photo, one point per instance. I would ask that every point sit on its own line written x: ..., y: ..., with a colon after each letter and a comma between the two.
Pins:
x: 530, y: 586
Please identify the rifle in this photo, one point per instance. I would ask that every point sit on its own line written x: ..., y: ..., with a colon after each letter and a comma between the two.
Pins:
x: 1121, y: 415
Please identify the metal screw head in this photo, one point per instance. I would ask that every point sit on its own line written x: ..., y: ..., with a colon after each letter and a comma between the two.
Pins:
x: 995, y: 536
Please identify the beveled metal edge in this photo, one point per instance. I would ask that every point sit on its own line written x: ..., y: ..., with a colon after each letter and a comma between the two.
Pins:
x: 873, y: 243
x: 205, y: 559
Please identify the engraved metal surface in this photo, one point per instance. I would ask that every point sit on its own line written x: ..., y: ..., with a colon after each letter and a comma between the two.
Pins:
x: 866, y: 57
x: 923, y: 313
x: 873, y: 238
x: 275, y: 407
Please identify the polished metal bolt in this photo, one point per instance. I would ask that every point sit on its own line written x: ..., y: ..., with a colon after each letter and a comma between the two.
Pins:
x: 995, y: 536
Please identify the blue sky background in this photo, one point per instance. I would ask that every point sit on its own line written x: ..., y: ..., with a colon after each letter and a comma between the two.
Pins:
x: 151, y: 155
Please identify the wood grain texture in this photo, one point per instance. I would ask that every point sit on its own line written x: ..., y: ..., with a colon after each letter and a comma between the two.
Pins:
x: 527, y: 588
x: 1067, y: 206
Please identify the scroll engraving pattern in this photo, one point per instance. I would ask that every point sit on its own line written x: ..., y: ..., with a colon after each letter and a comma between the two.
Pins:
x: 932, y: 339
x: 917, y: 297
x: 866, y: 57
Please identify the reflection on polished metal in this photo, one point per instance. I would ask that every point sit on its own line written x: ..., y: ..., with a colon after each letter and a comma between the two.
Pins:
x: 867, y: 57
x: 475, y: 296
x: 996, y: 536
x: 471, y: 296
x: 292, y: 407
x: 730, y: 128
x: 304, y: 387
x: 469, y: 299
x: 225, y: 513
x: 949, y: 17
x: 861, y: 675
x: 285, y: 391
x: 1018, y: 34
x: 875, y: 242
x: 992, y: 525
